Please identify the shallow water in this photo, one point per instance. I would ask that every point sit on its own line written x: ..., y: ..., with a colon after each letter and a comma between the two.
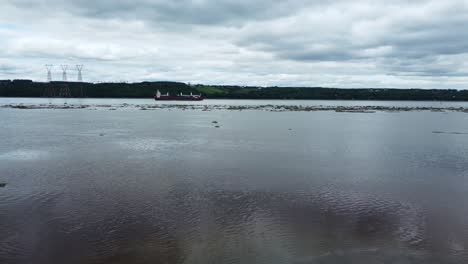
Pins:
x: 148, y: 102
x: 265, y: 187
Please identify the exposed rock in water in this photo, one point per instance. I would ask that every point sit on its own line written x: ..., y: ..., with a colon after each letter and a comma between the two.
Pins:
x: 2, y: 184
x: 270, y: 108
x: 217, y: 126
x: 450, y: 133
x: 21, y: 107
x: 215, y: 122
x: 357, y: 111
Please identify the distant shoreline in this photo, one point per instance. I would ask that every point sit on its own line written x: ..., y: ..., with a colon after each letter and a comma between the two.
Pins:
x: 236, y: 99
x: 28, y: 88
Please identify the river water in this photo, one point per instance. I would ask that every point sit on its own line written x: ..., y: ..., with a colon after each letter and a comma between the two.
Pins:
x: 168, y: 186
x: 147, y: 102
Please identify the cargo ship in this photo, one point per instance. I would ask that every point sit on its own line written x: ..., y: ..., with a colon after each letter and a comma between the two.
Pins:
x: 180, y: 97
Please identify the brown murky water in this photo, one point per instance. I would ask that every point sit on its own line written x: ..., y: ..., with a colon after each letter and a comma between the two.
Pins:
x: 166, y: 186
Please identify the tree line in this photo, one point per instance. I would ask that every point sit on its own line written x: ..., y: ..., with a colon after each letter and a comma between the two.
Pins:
x: 28, y: 88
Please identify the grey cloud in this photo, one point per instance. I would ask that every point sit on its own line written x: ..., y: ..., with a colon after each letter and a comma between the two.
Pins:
x: 388, y: 43
x: 203, y: 12
x: 412, y: 36
x: 8, y: 69
x: 439, y: 66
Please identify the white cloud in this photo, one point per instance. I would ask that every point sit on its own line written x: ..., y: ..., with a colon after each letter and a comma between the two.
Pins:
x: 337, y: 43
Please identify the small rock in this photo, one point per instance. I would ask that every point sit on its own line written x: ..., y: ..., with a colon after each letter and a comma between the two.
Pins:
x: 217, y: 126
x: 2, y: 184
x: 290, y: 129
x: 102, y: 134
x: 215, y: 122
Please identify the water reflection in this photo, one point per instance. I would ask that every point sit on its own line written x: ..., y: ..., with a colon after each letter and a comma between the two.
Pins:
x: 23, y: 155
x: 382, y: 191
x: 190, y: 225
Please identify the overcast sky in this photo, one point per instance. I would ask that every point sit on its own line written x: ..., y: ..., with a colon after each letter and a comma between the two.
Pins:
x: 333, y: 43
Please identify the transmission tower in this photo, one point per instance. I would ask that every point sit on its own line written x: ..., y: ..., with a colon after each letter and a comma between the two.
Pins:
x: 64, y: 90
x: 79, y: 67
x: 64, y: 72
x: 49, y: 72
x: 49, y: 90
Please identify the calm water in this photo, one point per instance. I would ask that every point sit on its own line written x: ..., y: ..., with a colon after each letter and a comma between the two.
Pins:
x: 265, y: 187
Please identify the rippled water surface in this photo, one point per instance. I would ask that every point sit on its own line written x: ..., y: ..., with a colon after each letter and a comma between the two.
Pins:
x: 265, y: 187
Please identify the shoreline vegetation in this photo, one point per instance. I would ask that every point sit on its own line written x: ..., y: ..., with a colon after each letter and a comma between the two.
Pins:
x: 28, y: 88
x: 269, y: 107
